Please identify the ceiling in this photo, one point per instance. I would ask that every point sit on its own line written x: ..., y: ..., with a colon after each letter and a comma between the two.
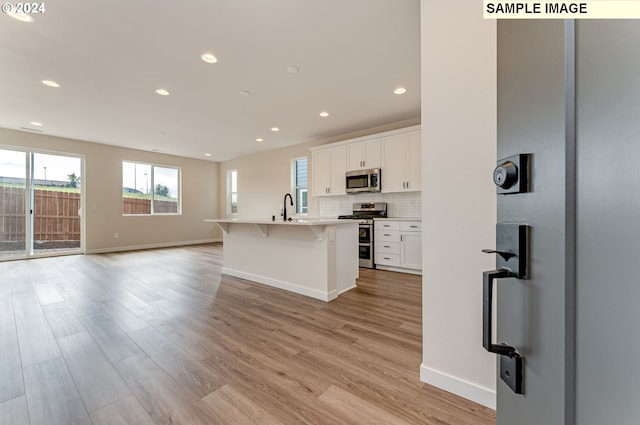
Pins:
x: 110, y: 57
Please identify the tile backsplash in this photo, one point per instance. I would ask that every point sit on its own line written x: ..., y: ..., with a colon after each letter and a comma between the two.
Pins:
x: 406, y: 204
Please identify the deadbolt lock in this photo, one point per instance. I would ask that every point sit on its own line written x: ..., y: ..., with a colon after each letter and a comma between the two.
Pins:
x: 511, y: 175
x: 505, y: 175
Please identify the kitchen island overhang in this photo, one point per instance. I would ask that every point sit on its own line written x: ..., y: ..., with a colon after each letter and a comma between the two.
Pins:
x: 317, y: 258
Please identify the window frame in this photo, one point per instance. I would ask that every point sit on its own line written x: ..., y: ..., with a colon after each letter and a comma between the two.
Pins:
x: 295, y: 187
x: 152, y: 191
x: 230, y: 192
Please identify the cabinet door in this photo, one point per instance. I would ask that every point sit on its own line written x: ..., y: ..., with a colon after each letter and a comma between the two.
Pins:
x: 356, y: 155
x: 414, y: 179
x: 373, y: 153
x: 394, y: 170
x: 411, y: 250
x: 338, y: 169
x: 366, y: 154
x: 321, y: 172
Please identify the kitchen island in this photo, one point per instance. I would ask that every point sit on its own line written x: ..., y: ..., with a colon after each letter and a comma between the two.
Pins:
x: 317, y: 257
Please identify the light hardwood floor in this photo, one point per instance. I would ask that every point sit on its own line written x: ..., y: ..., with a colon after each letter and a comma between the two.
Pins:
x: 160, y: 337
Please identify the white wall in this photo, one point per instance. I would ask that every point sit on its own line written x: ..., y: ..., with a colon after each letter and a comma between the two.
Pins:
x: 459, y: 210
x: 103, y: 190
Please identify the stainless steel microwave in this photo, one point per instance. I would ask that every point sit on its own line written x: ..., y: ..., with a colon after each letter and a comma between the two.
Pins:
x: 363, y: 181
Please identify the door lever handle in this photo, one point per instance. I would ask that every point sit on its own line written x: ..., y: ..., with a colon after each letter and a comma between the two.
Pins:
x: 511, y: 361
x: 487, y: 312
x: 511, y: 246
x: 503, y: 254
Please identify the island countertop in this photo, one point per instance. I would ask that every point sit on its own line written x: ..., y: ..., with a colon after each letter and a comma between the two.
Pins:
x: 316, y: 257
x: 293, y: 222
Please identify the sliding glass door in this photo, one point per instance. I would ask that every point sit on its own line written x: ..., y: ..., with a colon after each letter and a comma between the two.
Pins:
x: 40, y: 204
x: 56, y: 203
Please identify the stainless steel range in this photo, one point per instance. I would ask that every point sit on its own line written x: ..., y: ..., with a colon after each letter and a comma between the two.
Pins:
x: 365, y: 213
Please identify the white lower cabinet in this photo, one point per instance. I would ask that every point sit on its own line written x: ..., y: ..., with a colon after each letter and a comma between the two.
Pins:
x: 398, y: 245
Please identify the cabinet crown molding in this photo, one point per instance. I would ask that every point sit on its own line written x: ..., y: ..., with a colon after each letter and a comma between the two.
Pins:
x: 369, y: 137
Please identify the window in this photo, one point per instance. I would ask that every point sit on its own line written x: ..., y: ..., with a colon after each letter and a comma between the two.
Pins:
x: 150, y: 189
x: 232, y: 192
x: 299, y: 184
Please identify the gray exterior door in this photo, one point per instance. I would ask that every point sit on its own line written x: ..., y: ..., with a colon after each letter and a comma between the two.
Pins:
x: 569, y: 94
x: 531, y: 313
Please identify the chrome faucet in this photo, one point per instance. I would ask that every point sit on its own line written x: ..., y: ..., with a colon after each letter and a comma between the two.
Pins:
x: 284, y: 202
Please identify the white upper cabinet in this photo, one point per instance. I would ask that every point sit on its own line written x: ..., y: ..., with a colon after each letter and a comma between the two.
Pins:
x: 365, y: 154
x: 401, y: 162
x: 328, y: 169
x: 396, y: 153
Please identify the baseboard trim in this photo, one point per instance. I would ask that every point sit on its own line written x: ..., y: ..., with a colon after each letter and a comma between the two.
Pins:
x: 457, y: 386
x: 399, y: 270
x: 149, y: 246
x: 348, y: 289
x: 287, y: 286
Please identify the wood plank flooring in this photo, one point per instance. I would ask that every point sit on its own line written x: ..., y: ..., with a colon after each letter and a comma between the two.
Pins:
x: 160, y: 337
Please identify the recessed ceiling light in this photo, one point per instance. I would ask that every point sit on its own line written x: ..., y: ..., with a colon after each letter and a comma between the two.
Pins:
x: 162, y: 92
x: 209, y: 58
x: 207, y: 154
x: 324, y: 114
x: 274, y: 129
x: 245, y: 93
x: 36, y: 123
x: 22, y: 17
x: 259, y: 140
x: 293, y: 69
x: 400, y: 90
x: 50, y: 83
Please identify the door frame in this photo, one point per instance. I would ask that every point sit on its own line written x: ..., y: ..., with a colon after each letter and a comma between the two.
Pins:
x: 29, y: 201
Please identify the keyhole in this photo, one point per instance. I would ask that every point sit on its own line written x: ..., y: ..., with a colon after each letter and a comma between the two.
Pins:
x: 506, y: 372
x: 505, y: 175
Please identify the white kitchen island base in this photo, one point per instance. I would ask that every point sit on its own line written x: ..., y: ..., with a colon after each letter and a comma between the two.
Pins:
x: 316, y: 258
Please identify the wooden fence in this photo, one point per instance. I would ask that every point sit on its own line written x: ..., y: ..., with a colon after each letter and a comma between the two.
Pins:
x: 57, y: 214
x: 143, y: 206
